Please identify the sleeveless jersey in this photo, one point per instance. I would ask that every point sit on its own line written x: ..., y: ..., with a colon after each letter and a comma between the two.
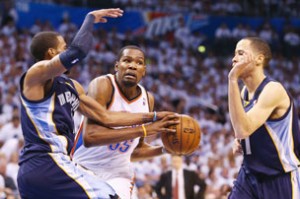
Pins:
x: 112, y: 160
x: 47, y: 124
x: 274, y: 148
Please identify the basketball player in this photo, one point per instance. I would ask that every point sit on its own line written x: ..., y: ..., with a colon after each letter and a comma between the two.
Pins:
x: 266, y: 123
x: 118, y: 92
x: 48, y: 104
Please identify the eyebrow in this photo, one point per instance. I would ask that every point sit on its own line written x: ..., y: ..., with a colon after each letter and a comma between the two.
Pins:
x: 239, y: 51
x: 126, y: 56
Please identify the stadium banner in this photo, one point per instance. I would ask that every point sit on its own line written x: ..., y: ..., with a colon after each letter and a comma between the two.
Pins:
x: 148, y: 23
x: 28, y: 12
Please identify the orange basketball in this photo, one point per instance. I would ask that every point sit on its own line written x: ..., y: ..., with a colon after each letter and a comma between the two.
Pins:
x: 186, y: 139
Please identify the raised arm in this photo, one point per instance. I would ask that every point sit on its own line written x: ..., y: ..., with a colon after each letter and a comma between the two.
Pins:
x: 272, y: 103
x: 61, y: 59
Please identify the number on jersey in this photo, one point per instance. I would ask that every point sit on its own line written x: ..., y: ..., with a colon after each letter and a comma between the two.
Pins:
x: 121, y: 146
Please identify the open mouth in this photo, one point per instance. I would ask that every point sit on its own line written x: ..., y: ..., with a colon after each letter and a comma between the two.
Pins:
x: 130, y: 75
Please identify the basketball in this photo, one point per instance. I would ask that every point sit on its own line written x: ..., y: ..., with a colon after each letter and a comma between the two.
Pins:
x: 186, y: 139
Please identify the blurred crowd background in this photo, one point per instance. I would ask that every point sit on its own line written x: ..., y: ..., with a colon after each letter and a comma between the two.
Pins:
x: 186, y: 72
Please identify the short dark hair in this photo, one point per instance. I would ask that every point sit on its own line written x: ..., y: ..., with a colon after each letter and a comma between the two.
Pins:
x: 120, y: 54
x: 41, y: 42
x: 261, y: 46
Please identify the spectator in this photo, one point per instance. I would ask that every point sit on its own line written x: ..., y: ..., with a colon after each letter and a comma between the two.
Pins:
x: 180, y: 183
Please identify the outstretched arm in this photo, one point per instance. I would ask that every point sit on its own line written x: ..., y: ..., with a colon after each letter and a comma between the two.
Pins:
x: 94, y: 105
x: 42, y: 72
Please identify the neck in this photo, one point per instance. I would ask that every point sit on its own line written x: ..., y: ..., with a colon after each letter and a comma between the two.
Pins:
x: 253, y: 81
x: 129, y: 92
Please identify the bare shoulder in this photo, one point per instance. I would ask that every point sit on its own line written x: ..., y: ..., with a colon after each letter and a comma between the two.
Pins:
x: 100, y: 87
x: 101, y: 80
x: 151, y: 100
x: 275, y: 88
x: 150, y: 95
x: 275, y: 95
x: 33, y: 75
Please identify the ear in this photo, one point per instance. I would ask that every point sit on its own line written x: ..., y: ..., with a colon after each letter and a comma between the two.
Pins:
x: 51, y: 52
x: 260, y: 59
x: 116, y: 66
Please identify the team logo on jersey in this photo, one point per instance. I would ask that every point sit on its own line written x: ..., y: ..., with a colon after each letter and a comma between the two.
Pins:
x: 144, y: 101
x: 70, y: 98
x: 245, y: 103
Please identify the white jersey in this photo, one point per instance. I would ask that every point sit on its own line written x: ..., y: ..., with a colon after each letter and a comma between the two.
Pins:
x: 112, y: 161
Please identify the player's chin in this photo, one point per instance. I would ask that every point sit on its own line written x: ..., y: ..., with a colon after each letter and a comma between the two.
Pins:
x: 129, y: 83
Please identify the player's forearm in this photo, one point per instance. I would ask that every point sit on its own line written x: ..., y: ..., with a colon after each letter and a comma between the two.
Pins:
x: 80, y: 45
x: 95, y: 135
x: 126, y: 119
x: 237, y: 113
x: 96, y: 112
x: 140, y: 154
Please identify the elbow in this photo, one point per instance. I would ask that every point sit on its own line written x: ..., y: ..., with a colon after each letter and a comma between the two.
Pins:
x: 134, y: 156
x: 87, y: 142
x: 92, y: 137
x: 241, y: 133
x: 88, y: 138
x: 240, y: 136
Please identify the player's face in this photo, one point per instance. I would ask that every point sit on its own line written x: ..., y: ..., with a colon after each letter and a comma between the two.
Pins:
x: 243, y: 51
x: 131, y: 67
x: 62, y: 46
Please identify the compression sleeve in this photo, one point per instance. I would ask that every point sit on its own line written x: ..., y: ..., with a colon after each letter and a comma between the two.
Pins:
x: 80, y: 45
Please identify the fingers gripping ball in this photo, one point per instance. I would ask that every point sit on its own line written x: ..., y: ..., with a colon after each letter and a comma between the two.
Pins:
x: 186, y: 139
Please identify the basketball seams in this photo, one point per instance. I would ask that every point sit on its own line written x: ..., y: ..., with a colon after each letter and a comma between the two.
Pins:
x: 195, y: 140
x: 170, y: 143
x: 182, y: 142
x: 190, y: 149
x: 181, y: 130
x: 187, y: 138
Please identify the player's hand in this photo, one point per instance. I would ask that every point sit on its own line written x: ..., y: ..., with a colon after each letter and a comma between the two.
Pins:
x: 100, y: 14
x: 237, y: 147
x: 162, y: 125
x: 163, y: 114
x: 241, y: 64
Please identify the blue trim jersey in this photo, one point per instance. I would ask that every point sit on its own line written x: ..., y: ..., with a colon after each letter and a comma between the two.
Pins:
x: 48, y: 124
x: 274, y: 148
x: 113, y: 160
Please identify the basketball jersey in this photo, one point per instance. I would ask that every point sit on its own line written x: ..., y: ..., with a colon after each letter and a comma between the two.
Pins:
x: 274, y: 148
x: 112, y: 160
x: 47, y: 124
